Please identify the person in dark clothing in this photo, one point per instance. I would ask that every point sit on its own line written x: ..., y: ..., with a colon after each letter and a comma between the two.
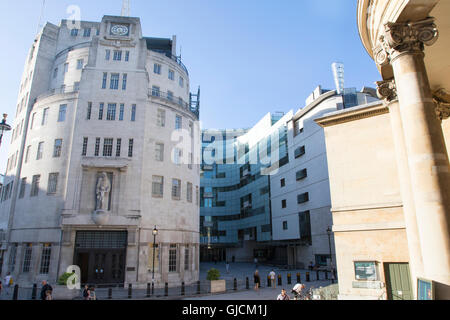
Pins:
x: 45, y: 287
x: 256, y: 280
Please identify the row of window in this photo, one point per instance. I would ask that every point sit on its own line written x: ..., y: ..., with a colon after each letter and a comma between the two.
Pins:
x: 65, y: 69
x: 107, y: 147
x: 161, y: 121
x: 52, y: 185
x: 117, y: 55
x: 86, y: 32
x: 44, y: 266
x: 171, y: 74
x: 111, y: 111
x: 158, y: 189
x: 114, y: 81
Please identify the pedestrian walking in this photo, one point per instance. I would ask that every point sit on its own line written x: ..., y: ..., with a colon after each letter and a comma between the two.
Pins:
x: 283, y: 295
x: 9, y: 281
x: 92, y: 295
x: 86, y: 292
x: 272, y: 278
x: 256, y: 280
x: 46, y: 290
x: 227, y: 266
x: 48, y: 295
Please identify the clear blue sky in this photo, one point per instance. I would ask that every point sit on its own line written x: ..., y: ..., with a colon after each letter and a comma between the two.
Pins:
x: 250, y: 57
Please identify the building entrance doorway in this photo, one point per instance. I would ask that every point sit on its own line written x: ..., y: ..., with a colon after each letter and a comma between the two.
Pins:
x: 101, y: 256
x: 398, y: 281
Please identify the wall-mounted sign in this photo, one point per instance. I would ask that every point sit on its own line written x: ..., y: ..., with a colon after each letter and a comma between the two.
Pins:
x: 366, y: 270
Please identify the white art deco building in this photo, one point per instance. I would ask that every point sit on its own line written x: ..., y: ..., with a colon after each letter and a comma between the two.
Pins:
x: 93, y: 167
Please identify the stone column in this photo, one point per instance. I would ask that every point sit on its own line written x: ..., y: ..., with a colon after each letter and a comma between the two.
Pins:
x: 388, y: 92
x: 403, y: 48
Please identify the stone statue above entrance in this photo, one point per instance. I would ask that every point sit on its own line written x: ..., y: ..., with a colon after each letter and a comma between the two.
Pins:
x: 103, y: 190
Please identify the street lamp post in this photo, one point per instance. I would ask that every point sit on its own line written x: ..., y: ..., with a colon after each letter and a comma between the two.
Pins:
x: 155, y: 233
x: 331, y: 255
x: 4, y: 127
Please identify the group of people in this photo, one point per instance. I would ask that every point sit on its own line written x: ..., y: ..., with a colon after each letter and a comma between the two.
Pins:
x: 89, y: 293
x: 46, y: 290
x: 297, y: 290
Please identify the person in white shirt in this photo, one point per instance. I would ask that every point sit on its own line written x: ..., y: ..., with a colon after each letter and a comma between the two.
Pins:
x: 272, y: 279
x: 8, y: 282
x: 283, y: 295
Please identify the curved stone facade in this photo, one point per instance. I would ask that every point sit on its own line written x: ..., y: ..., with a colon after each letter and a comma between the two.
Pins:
x: 100, y: 103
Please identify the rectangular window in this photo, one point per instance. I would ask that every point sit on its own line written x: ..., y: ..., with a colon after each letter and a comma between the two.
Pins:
x: 302, y: 198
x: 55, y: 73
x: 85, y: 145
x: 176, y: 189
x: 74, y: 32
x: 57, y: 148
x: 76, y: 86
x: 191, y: 129
x: 35, y: 186
x: 161, y: 118
x: 177, y: 154
x: 107, y: 54
x: 159, y: 152
x: 97, y: 147
x: 117, y: 55
x: 299, y: 152
x: 155, y: 91
x: 89, y: 111
x: 121, y: 111
x: 114, y: 82
x: 133, y: 112
x: 157, y: 186
x: 66, y: 68
x: 118, y: 147
x: 178, y: 122
x: 173, y: 258
x: 366, y: 270
x: 32, y: 121
x: 27, y: 154
x: 45, y: 116
x: 186, y: 258
x: 87, y: 32
x: 302, y: 174
x: 127, y: 56
x: 107, y: 147
x: 283, y: 182
x: 171, y: 74
x: 170, y: 95
x: 12, y: 258
x: 111, y: 112
x: 189, y: 192
x: 40, y: 151
x: 100, y: 111
x: 62, y: 113
x: 27, y: 258
x: 105, y: 79
x: 305, y: 226
x: 181, y: 82
x: 23, y: 184
x: 45, y: 259
x: 130, y: 148
x: 80, y: 63
x: 283, y: 203
x: 191, y: 160
x: 157, y: 68
x: 285, y: 225
x: 124, y: 82
x: 52, y: 183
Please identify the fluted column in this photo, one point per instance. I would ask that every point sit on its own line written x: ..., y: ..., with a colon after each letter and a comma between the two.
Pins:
x: 402, y: 45
x: 387, y: 91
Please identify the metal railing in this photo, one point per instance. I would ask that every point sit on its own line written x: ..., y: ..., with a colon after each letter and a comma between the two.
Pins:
x: 199, y: 288
x: 177, y: 59
x: 166, y: 97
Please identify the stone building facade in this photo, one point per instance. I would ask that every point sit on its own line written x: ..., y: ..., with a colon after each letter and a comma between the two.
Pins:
x: 95, y: 162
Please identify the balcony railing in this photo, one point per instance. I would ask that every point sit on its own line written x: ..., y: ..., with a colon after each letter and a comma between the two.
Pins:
x: 177, y: 59
x: 172, y: 99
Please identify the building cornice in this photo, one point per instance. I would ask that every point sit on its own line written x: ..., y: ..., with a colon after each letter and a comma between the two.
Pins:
x: 353, y: 114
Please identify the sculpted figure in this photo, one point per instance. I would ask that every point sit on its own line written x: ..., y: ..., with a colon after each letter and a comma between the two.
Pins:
x: 103, y: 189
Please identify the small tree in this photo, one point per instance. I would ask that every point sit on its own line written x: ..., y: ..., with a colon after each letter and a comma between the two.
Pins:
x: 213, y: 274
x: 64, y: 277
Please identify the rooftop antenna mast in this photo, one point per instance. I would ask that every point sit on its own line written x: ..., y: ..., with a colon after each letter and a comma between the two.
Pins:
x: 125, y: 8
x: 338, y: 73
x: 39, y: 27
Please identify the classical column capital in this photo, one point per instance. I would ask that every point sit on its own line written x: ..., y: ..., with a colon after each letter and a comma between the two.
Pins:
x: 400, y: 38
x: 387, y: 91
x: 441, y: 98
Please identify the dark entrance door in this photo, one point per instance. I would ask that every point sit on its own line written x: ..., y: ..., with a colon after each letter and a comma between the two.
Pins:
x: 398, y: 281
x: 101, y: 256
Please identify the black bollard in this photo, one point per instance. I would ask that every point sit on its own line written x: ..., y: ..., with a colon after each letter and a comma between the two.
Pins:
x: 235, y: 284
x: 289, y: 281
x: 34, y: 292
x: 166, y: 289
x: 307, y: 276
x: 130, y: 290
x: 247, y: 284
x: 279, y: 280
x: 153, y: 288
x: 269, y: 284
x: 182, y: 288
x: 109, y: 293
x: 16, y: 292
x: 299, y: 279
x: 198, y: 287
x: 317, y: 275
x: 148, y: 290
